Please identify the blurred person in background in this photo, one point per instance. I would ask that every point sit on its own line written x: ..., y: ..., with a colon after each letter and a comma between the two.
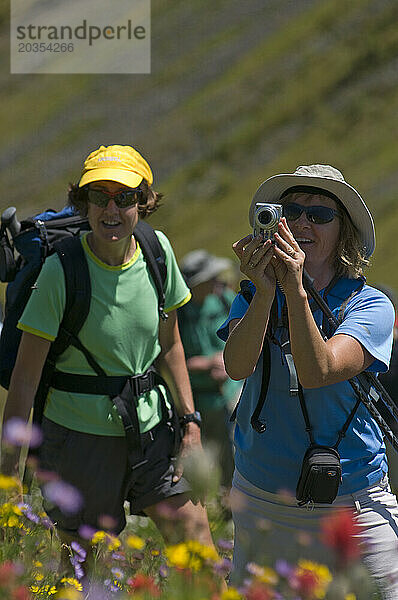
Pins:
x: 326, y: 228
x: 214, y: 392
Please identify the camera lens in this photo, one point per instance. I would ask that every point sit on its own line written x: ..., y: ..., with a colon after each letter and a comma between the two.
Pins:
x: 265, y: 217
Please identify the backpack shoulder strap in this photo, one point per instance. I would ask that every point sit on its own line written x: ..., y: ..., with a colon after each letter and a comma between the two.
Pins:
x: 77, y: 306
x: 155, y: 259
x: 78, y: 291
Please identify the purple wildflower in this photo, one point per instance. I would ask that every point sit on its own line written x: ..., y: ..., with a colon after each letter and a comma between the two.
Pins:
x: 223, y: 567
x: 80, y: 552
x: 117, y: 573
x: 163, y: 571
x: 64, y: 495
x: 86, y: 532
x: 118, y: 556
x: 47, y: 523
x: 19, y: 433
x: 28, y: 512
x: 77, y: 566
x: 283, y: 568
x: 225, y: 544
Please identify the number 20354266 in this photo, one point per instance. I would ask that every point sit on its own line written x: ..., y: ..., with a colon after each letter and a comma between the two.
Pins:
x: 45, y: 47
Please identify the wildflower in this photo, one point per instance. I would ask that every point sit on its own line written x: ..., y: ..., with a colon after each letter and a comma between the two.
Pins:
x: 9, y: 515
x: 231, y: 594
x: 80, y: 551
x: 163, y: 571
x: 225, y: 545
x: 86, y: 532
x: 135, y: 542
x: 144, y: 583
x: 111, y: 541
x: 117, y: 573
x: 311, y: 579
x: 46, y: 590
x: 20, y: 593
x: 283, y: 568
x: 259, y: 591
x: 350, y: 596
x: 28, y: 512
x: 69, y: 593
x: 8, y: 483
x: 7, y: 573
x: 339, y: 531
x: 223, y: 567
x: 17, y: 432
x: 72, y: 582
x: 190, y: 555
x: 64, y: 495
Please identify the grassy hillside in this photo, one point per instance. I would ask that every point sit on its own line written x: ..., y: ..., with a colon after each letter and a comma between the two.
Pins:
x: 238, y: 92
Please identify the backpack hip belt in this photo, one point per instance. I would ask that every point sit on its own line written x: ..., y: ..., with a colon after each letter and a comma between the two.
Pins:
x: 103, y: 385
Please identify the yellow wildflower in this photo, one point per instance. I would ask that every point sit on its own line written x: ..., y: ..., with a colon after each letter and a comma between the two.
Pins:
x: 72, y: 582
x: 69, y: 594
x: 322, y: 574
x: 113, y: 543
x: 8, y: 483
x: 98, y: 537
x: 135, y: 542
x: 269, y: 576
x: 231, y: 594
x: 178, y: 556
x: 350, y: 596
x: 190, y: 555
x: 46, y: 590
x: 9, y: 515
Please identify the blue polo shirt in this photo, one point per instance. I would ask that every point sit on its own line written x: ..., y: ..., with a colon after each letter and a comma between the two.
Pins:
x: 272, y: 460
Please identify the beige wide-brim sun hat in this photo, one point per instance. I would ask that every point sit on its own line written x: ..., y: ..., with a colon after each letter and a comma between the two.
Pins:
x: 327, y: 178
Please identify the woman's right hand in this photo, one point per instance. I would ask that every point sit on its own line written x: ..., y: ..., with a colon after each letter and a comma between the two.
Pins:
x: 255, y: 256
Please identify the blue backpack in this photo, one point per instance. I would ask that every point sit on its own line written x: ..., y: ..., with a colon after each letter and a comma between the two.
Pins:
x: 22, y: 255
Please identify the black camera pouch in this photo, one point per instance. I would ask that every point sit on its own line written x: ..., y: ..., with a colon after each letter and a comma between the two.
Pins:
x: 320, y: 475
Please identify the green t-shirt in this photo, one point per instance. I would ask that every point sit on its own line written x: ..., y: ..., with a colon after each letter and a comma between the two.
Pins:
x: 121, y: 331
x: 198, y: 325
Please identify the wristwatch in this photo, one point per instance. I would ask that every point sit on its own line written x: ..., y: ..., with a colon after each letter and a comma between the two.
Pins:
x: 194, y: 417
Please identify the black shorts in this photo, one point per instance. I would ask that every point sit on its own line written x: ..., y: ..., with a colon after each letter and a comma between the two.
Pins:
x: 97, y: 466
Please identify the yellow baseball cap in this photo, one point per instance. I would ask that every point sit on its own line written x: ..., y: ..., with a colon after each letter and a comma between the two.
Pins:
x: 116, y: 163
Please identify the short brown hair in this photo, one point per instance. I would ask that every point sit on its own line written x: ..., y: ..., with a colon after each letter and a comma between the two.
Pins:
x: 150, y: 202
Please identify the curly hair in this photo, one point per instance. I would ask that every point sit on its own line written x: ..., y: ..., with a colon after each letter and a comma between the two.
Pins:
x: 150, y: 201
x: 351, y: 258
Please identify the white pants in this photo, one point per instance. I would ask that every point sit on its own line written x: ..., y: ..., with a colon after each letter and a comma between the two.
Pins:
x: 269, y: 526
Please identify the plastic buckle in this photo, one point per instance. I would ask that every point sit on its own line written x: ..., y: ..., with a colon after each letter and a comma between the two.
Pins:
x: 142, y: 383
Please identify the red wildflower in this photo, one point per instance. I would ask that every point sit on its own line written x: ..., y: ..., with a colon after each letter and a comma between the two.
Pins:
x: 7, y: 573
x: 340, y: 532
x: 21, y: 593
x: 144, y: 583
x: 306, y: 583
x: 259, y: 591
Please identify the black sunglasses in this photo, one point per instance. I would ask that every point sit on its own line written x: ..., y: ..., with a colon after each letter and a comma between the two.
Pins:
x: 122, y: 199
x: 315, y: 214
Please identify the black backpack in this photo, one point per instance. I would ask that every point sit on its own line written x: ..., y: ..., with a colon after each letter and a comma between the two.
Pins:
x: 21, y: 258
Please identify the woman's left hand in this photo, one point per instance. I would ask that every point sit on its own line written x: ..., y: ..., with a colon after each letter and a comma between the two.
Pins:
x: 288, y: 260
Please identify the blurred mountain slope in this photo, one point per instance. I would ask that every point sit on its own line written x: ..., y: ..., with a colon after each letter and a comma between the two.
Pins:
x: 238, y: 92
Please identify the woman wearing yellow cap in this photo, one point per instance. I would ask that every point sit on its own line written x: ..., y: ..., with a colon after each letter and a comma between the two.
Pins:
x: 84, y: 437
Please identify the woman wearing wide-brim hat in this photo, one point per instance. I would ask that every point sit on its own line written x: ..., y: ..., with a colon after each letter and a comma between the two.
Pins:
x: 326, y: 228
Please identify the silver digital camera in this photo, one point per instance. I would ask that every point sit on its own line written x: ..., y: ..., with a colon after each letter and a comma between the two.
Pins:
x: 266, y: 219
